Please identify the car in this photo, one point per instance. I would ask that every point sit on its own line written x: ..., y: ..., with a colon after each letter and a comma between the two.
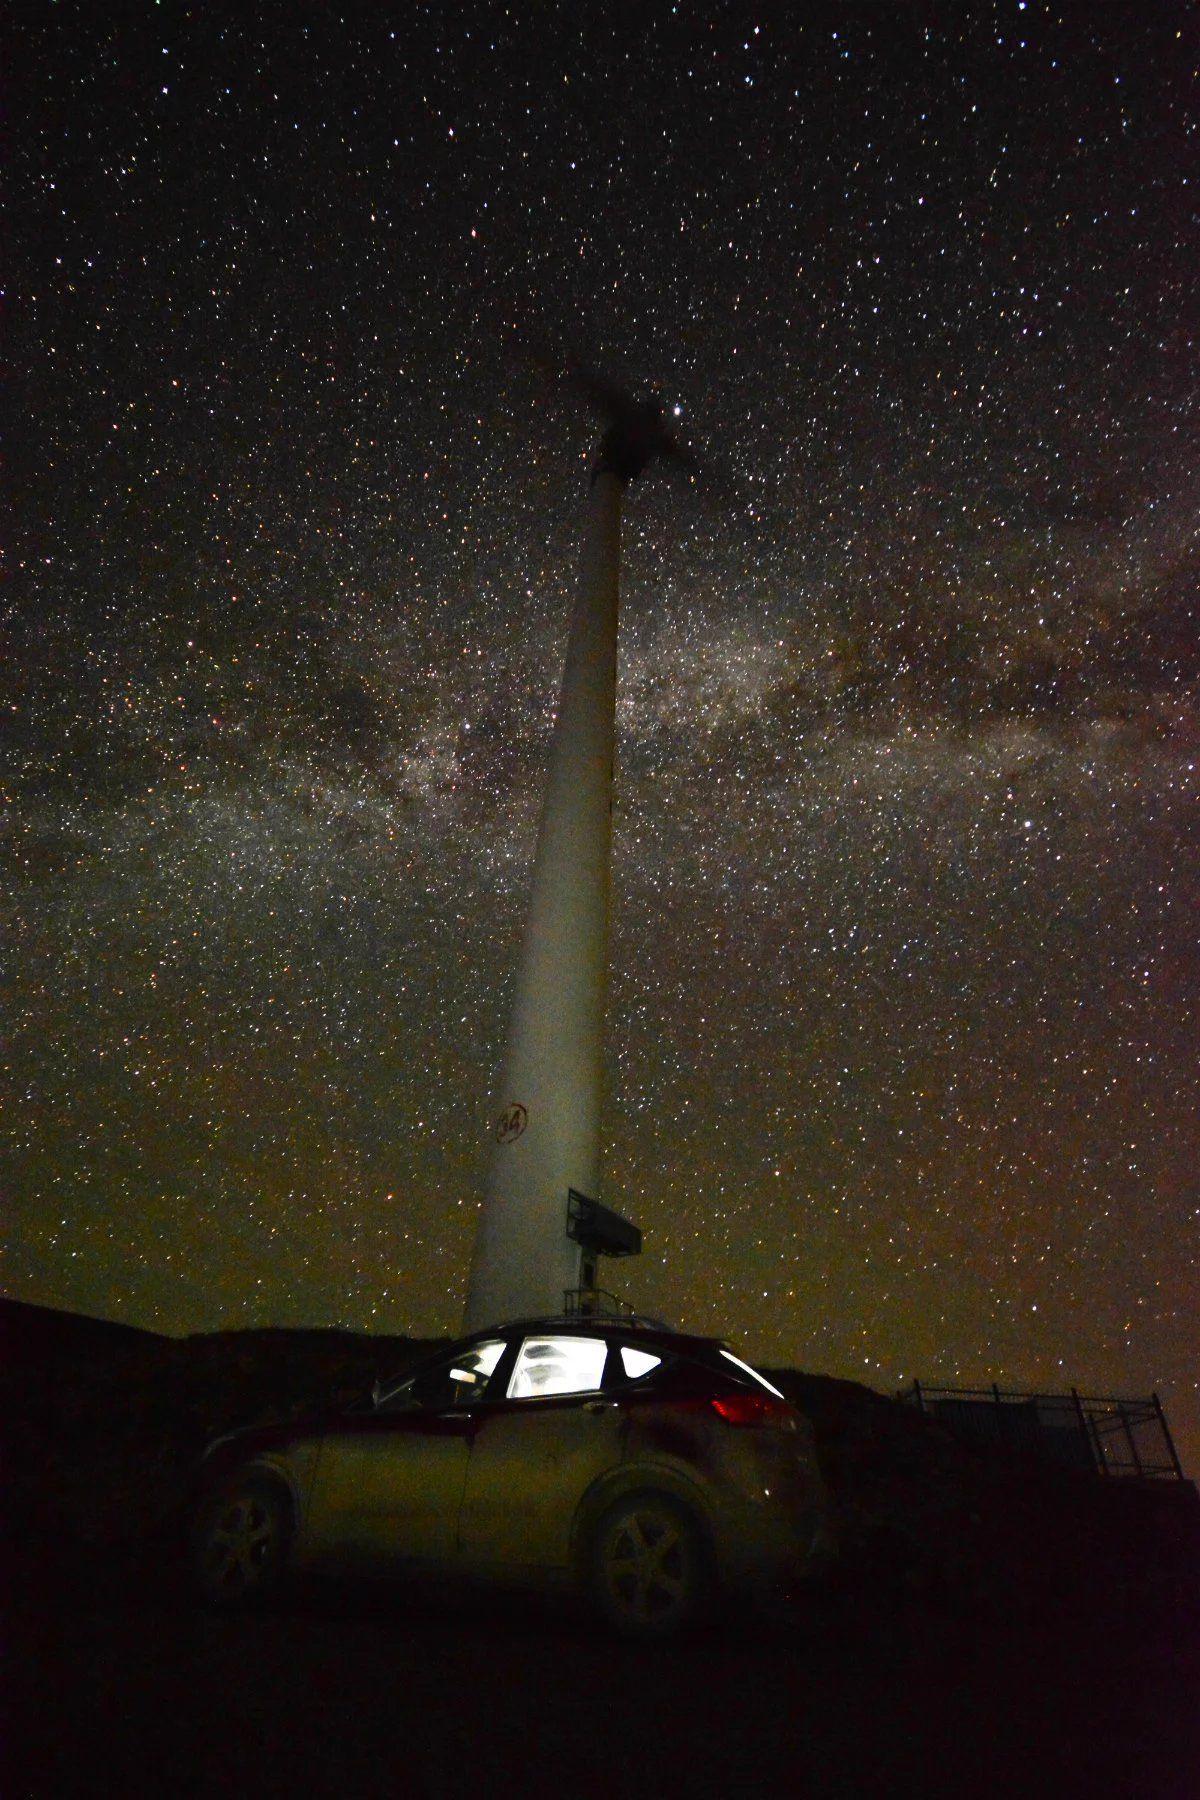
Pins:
x: 649, y: 1468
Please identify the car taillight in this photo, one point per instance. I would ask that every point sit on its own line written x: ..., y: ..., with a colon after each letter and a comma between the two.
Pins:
x: 752, y: 1409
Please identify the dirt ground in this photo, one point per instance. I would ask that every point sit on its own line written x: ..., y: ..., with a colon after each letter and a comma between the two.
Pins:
x: 118, y: 1687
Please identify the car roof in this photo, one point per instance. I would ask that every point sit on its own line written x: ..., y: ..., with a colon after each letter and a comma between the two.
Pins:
x: 604, y: 1325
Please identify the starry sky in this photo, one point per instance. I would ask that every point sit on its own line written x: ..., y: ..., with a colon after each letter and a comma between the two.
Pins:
x: 904, y: 1072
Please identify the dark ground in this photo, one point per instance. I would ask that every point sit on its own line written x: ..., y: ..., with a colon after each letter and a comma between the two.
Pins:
x: 990, y: 1633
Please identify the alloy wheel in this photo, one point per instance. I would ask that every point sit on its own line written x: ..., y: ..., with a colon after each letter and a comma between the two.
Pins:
x: 649, y: 1567
x: 241, y: 1544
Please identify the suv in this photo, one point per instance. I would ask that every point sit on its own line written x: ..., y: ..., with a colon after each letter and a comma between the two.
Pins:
x: 646, y: 1466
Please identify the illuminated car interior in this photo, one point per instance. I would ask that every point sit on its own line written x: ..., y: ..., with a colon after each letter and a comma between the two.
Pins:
x: 557, y: 1365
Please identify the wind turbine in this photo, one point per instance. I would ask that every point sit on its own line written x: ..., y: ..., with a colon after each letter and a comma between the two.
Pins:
x: 541, y: 1228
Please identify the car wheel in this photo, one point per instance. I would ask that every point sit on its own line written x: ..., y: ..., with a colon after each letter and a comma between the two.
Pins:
x: 649, y: 1567
x: 240, y: 1541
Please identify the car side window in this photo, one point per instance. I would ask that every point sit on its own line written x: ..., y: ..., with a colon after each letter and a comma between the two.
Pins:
x: 637, y: 1364
x: 459, y: 1379
x: 557, y: 1365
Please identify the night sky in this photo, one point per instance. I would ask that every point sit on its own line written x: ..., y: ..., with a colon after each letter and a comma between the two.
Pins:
x: 903, y: 1021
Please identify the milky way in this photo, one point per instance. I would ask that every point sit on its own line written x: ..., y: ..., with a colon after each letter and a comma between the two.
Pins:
x: 904, y: 1074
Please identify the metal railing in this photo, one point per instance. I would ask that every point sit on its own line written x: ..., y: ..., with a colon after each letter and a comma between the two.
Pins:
x: 1106, y: 1434
x: 596, y: 1303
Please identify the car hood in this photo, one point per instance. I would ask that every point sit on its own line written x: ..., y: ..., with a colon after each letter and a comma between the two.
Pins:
x: 273, y: 1434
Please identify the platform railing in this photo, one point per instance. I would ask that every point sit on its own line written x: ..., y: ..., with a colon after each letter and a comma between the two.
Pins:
x: 1111, y: 1435
x: 596, y: 1303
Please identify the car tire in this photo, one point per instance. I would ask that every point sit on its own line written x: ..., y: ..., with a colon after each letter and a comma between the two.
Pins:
x: 240, y: 1541
x: 650, y: 1572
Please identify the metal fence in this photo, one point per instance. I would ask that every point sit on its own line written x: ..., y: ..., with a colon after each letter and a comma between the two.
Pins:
x: 1108, y: 1436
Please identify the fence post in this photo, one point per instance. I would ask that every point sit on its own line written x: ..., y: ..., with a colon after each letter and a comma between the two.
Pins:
x: 1156, y: 1403
x: 1098, y: 1449
x: 1129, y: 1438
x: 1088, y: 1437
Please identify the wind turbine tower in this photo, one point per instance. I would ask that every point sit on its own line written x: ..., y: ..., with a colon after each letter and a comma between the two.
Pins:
x: 541, y: 1228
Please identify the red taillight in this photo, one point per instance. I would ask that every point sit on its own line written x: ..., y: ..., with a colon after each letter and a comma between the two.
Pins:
x: 752, y: 1409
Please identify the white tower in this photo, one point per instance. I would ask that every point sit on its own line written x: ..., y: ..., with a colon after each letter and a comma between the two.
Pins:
x: 546, y: 1120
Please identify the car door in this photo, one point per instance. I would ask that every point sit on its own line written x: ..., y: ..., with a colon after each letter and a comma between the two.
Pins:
x: 389, y: 1481
x: 537, y: 1450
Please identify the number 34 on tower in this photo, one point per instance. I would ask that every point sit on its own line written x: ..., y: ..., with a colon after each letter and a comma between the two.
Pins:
x: 511, y: 1123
